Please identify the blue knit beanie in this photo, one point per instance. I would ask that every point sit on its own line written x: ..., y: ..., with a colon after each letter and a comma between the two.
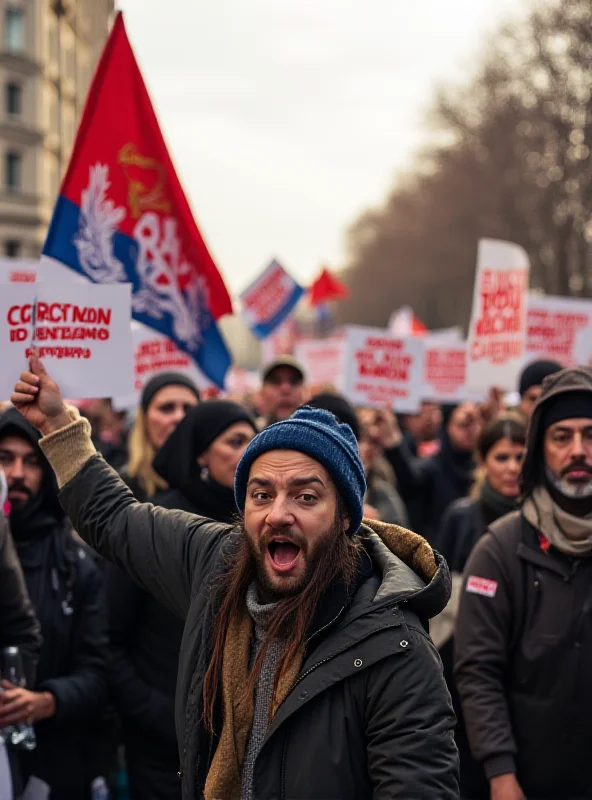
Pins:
x: 317, y: 434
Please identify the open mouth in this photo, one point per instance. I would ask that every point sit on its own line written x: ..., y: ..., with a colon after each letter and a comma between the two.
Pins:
x: 283, y: 554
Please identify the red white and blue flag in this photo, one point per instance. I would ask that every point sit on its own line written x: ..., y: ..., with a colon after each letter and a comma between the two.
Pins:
x: 122, y: 215
x: 270, y: 300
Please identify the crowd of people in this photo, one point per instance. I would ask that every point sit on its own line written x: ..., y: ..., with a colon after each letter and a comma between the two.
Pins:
x: 231, y: 598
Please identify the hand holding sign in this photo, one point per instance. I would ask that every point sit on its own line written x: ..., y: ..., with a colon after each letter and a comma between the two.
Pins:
x: 38, y: 399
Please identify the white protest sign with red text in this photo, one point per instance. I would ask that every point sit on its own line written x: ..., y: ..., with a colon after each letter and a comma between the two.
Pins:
x: 383, y: 370
x: 497, y: 333
x: 154, y: 352
x: 557, y: 329
x: 445, y: 372
x: 81, y: 331
x: 324, y: 361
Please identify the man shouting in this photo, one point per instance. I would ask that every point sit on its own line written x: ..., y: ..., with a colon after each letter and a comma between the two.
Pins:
x: 305, y: 667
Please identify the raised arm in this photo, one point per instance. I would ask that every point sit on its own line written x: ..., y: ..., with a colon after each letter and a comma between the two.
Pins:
x: 165, y: 552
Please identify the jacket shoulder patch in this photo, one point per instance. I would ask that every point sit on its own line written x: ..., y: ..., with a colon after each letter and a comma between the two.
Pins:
x: 483, y: 586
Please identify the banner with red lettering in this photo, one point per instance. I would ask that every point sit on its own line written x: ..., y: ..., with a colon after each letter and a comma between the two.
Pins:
x: 445, y: 372
x: 81, y: 331
x: 122, y: 216
x: 383, y: 370
x: 324, y: 362
x: 497, y: 333
x: 559, y: 328
x: 270, y: 300
x: 18, y: 270
x: 154, y: 353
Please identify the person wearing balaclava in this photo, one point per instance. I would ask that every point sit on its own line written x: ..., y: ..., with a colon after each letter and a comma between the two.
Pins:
x: 198, y: 463
x: 65, y: 588
x: 428, y: 486
x: 524, y: 629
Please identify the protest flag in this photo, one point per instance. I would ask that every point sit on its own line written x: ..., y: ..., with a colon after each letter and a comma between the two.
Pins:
x: 326, y: 288
x: 122, y: 215
x: 270, y: 300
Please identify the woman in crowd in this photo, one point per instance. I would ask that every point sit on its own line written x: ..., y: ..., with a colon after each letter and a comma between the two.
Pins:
x: 495, y: 493
x: 165, y: 400
x: 197, y: 463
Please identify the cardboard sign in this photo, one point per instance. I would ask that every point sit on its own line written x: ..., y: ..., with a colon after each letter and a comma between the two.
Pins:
x: 324, y: 361
x: 153, y: 353
x: 270, y: 300
x: 18, y: 270
x: 497, y: 333
x: 557, y: 328
x: 383, y: 370
x: 81, y: 331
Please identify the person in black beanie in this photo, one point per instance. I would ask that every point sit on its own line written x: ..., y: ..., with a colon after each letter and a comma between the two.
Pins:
x: 524, y: 628
x: 198, y: 462
x: 530, y: 384
x: 65, y: 587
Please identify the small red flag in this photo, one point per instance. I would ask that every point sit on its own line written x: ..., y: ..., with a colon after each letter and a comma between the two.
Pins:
x: 327, y: 288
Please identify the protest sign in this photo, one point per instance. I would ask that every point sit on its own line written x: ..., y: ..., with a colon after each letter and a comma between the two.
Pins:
x: 383, y: 370
x: 18, y: 270
x: 270, y: 300
x: 497, y: 333
x: 81, y: 332
x: 324, y: 361
x: 154, y: 353
x: 445, y: 372
x: 556, y: 328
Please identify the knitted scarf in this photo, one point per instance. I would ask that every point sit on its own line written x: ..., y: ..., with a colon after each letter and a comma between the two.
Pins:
x: 225, y: 774
x: 569, y: 534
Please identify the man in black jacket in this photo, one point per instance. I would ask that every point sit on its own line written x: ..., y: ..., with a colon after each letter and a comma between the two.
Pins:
x: 65, y: 589
x: 524, y: 630
x: 305, y: 668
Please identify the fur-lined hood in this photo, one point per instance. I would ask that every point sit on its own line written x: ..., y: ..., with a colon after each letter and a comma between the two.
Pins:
x: 411, y: 570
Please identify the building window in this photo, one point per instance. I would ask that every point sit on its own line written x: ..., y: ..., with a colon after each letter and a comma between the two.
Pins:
x: 14, y: 99
x: 14, y: 29
x: 12, y: 248
x: 12, y: 171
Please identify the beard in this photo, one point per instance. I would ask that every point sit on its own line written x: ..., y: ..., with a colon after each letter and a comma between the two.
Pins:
x: 19, y: 503
x: 318, y: 560
x: 574, y: 490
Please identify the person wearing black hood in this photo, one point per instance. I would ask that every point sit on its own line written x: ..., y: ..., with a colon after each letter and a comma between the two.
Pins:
x: 198, y: 462
x: 530, y: 384
x: 429, y: 486
x: 524, y: 629
x: 65, y: 588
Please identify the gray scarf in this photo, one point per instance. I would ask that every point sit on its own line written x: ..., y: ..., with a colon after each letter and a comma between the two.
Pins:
x: 569, y: 534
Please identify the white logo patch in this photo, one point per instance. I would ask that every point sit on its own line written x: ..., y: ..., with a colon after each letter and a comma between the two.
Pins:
x: 482, y: 586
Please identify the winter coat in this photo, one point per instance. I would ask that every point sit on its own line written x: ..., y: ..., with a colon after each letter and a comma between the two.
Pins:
x: 428, y: 486
x: 524, y: 644
x: 369, y: 715
x: 65, y: 588
x: 19, y: 626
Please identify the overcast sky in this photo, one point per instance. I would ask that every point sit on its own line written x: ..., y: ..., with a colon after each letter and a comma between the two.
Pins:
x: 287, y: 118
